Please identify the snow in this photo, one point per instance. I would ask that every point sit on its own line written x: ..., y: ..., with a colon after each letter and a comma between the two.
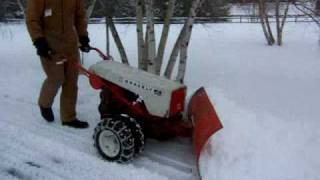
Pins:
x: 34, y: 155
x: 266, y: 97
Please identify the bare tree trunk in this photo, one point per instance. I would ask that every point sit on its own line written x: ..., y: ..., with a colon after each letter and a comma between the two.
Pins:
x: 253, y: 12
x: 265, y: 22
x: 185, y: 42
x: 21, y: 7
x: 269, y: 28
x: 117, y: 40
x: 164, y: 36
x: 182, y: 64
x: 285, y: 14
x: 262, y: 22
x: 107, y: 39
x: 151, y: 37
x: 280, y: 36
x: 146, y: 52
x: 174, y: 53
x: 142, y: 62
x: 90, y: 8
x: 277, y: 11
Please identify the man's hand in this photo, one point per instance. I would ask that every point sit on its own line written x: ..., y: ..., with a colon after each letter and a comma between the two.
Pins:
x: 84, y: 41
x: 43, y: 48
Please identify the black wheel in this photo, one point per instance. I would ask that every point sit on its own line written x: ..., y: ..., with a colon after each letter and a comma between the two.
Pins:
x: 118, y: 138
x: 137, y: 132
x: 114, y: 140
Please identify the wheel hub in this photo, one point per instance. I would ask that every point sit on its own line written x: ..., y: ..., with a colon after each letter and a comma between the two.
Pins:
x: 109, y: 143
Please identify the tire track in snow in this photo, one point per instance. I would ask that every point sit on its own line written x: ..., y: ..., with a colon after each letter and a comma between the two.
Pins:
x: 81, y: 141
x: 56, y: 161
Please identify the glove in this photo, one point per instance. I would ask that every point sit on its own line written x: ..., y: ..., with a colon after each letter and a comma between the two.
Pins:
x: 84, y: 41
x: 43, y: 48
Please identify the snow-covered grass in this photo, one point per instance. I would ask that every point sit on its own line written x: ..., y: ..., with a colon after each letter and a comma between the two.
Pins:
x: 267, y: 99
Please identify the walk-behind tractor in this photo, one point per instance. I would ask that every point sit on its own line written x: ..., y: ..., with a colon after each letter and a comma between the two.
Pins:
x: 136, y: 105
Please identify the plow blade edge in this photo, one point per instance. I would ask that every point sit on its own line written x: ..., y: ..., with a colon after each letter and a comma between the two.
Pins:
x: 204, y: 118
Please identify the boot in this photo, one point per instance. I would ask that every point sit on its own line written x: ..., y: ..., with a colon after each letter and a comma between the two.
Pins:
x: 76, y: 124
x: 47, y: 114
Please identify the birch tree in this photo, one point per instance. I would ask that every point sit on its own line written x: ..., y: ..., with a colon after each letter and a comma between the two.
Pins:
x: 141, y: 43
x: 21, y: 7
x: 150, y: 57
x: 280, y: 18
x: 117, y: 40
x: 281, y: 22
x: 182, y: 44
x: 150, y: 37
x: 186, y: 40
x: 264, y: 21
x: 174, y: 54
x: 165, y: 33
x: 109, y: 8
x: 90, y: 8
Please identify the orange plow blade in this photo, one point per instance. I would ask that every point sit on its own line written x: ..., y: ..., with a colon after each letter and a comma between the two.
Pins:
x: 204, y: 118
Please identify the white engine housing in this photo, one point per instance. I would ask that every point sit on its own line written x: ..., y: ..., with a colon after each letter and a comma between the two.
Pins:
x: 155, y: 91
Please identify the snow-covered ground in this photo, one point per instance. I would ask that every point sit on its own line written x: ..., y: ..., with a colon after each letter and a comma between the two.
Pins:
x: 267, y: 99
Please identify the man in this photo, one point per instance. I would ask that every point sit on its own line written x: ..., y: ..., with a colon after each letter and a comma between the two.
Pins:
x: 56, y: 27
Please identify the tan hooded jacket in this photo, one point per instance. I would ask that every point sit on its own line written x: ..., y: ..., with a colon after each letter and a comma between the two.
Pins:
x: 59, y: 21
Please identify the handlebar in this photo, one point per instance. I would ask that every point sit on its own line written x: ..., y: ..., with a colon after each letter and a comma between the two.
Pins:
x: 77, y: 64
x: 101, y: 54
